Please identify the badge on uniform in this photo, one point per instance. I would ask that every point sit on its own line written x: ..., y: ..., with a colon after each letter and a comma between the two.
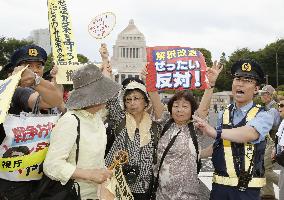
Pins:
x: 246, y: 67
x: 33, y: 52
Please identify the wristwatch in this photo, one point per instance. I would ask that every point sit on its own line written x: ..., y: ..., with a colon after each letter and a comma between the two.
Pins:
x: 37, y: 80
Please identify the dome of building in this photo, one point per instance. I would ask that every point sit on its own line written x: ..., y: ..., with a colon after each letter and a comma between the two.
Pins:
x: 131, y: 29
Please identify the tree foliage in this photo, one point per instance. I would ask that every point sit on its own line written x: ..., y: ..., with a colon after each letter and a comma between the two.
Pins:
x: 8, y: 46
x: 207, y: 55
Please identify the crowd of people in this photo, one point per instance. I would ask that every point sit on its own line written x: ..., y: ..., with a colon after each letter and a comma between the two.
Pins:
x: 162, y: 142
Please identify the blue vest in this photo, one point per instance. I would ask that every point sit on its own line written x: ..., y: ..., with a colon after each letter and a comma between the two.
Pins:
x: 229, y: 158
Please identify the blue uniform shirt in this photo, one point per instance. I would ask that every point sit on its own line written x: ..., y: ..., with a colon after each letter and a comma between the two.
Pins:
x: 262, y: 122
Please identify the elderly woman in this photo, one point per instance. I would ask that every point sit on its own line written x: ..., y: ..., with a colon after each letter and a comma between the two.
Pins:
x: 91, y: 91
x: 178, y: 159
x: 135, y: 133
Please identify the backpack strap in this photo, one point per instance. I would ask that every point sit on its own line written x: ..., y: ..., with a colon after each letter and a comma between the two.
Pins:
x: 156, y: 130
x: 195, y: 143
x: 112, y: 130
x: 78, y: 138
x: 167, y: 126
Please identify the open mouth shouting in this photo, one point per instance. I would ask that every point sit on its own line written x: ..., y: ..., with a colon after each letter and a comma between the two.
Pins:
x: 239, y: 93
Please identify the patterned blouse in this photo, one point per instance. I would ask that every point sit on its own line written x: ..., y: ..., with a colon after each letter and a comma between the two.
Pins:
x: 178, y: 175
x: 139, y: 156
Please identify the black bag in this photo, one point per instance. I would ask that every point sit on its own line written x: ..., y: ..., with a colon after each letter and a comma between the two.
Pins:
x: 53, y: 190
x: 131, y: 173
x: 280, y: 158
x: 49, y: 189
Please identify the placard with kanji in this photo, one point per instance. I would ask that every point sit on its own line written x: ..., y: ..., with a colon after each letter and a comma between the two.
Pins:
x: 175, y: 68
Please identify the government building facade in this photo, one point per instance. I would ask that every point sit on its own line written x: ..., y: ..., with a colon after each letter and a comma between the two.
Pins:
x: 129, y: 53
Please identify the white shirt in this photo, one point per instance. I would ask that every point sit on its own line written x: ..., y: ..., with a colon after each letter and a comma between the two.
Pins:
x: 280, y: 134
x: 60, y: 159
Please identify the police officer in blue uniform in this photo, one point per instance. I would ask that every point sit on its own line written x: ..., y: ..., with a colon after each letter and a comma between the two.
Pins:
x: 32, y: 85
x: 238, y: 150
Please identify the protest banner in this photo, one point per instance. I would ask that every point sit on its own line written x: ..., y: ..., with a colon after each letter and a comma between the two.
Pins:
x: 24, y: 148
x: 118, y: 185
x: 102, y: 25
x: 175, y: 68
x: 64, y: 51
x: 7, y: 89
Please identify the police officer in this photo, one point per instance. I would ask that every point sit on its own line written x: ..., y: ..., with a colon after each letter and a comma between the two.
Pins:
x: 239, y: 145
x: 31, y: 86
x: 267, y: 93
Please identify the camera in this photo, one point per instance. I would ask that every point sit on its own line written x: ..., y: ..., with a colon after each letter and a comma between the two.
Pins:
x: 244, y: 179
x: 131, y: 173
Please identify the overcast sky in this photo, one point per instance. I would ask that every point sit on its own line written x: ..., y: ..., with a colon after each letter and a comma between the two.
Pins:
x: 219, y: 26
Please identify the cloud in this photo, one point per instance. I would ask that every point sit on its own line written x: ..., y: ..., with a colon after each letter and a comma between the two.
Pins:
x: 219, y: 26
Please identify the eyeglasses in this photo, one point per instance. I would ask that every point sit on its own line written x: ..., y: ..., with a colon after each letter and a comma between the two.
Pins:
x: 135, y: 99
x: 280, y: 105
x: 244, y: 80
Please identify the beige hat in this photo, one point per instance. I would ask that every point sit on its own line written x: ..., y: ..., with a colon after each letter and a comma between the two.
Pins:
x: 267, y: 89
x: 91, y: 87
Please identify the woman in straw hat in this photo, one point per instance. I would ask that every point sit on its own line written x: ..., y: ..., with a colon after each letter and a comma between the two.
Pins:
x: 91, y: 92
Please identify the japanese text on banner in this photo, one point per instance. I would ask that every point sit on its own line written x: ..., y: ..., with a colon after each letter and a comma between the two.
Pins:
x: 62, y: 40
x: 175, y: 68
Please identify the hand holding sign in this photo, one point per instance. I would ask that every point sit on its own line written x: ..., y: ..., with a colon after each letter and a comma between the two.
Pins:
x: 102, y: 25
x: 105, y: 67
x: 120, y: 158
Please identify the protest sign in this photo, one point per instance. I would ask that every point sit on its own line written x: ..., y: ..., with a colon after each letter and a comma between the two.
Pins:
x: 64, y: 50
x: 24, y: 148
x: 118, y: 185
x: 7, y: 89
x: 102, y: 25
x: 175, y: 68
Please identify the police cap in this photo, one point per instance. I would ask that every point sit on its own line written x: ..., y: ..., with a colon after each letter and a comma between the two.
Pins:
x: 249, y: 69
x: 29, y: 53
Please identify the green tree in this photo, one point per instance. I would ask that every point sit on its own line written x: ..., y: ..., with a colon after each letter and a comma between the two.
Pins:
x: 7, y: 48
x: 207, y: 55
x: 267, y: 59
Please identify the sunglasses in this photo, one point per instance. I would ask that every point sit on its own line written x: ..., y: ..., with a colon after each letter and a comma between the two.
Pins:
x: 280, y: 105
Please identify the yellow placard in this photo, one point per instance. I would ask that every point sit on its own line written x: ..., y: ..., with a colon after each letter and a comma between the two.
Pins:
x: 118, y: 185
x: 65, y: 72
x: 7, y: 89
x: 64, y: 50
x: 22, y: 162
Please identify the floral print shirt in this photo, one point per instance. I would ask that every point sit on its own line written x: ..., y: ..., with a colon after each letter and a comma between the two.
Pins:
x: 178, y: 175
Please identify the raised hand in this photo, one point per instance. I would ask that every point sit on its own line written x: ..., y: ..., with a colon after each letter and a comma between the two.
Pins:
x: 204, y: 127
x: 144, y: 73
x: 104, y: 52
x: 106, y: 67
x: 213, y: 72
